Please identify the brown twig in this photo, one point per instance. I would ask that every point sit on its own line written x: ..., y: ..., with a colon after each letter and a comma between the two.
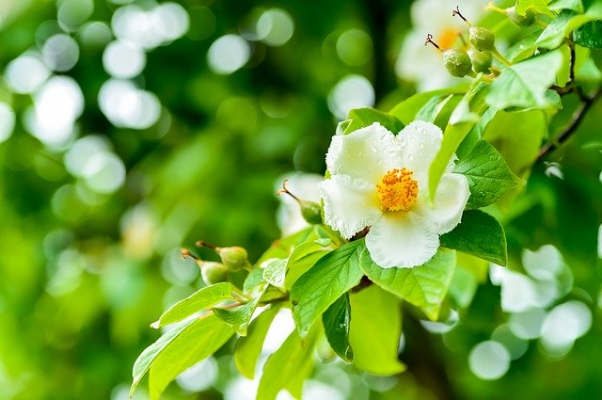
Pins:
x: 578, y: 116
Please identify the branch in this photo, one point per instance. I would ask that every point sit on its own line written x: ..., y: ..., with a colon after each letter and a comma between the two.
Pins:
x: 578, y: 116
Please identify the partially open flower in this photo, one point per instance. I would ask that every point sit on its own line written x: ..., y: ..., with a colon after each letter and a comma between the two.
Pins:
x: 425, y: 65
x: 379, y: 180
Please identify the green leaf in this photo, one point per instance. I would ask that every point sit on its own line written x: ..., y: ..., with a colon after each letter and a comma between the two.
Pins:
x: 248, y: 348
x: 537, y: 6
x: 523, y: 49
x: 559, y: 5
x: 556, y: 31
x: 362, y: 117
x: 239, y: 317
x: 589, y: 35
x: 332, y: 276
x: 200, y: 300
x: 470, y: 271
x: 424, y: 286
x: 146, y: 358
x: 566, y: 22
x: 288, y: 367
x: 519, y: 147
x: 336, y: 322
x: 342, y: 126
x: 478, y: 234
x: 282, y: 248
x: 488, y: 175
x: 407, y: 110
x: 523, y: 85
x: 302, y: 258
x: 430, y: 109
x: 446, y: 109
x: 463, y: 287
x: 439, y: 109
x: 375, y: 331
x: 460, y: 125
x: 255, y: 281
x: 274, y: 271
x: 178, y: 350
x: 586, y: 70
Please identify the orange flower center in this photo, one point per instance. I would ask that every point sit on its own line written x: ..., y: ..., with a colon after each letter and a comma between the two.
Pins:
x: 397, y: 190
x: 448, y: 37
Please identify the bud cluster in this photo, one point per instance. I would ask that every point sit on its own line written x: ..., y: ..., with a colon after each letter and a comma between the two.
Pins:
x: 233, y: 259
x: 478, y: 58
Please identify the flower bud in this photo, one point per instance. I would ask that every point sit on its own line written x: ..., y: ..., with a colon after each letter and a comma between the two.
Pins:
x: 213, y: 272
x: 311, y: 212
x: 457, y: 62
x: 520, y: 20
x: 234, y: 258
x: 482, y: 39
x: 481, y: 61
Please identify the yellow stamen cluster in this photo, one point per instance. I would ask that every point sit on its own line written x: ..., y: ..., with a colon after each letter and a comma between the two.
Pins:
x: 397, y: 190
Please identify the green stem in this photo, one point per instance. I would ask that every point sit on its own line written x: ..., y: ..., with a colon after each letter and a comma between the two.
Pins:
x: 495, y: 52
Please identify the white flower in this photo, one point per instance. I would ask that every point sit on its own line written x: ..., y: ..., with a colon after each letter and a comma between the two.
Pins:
x: 424, y: 65
x: 304, y: 186
x: 380, y: 180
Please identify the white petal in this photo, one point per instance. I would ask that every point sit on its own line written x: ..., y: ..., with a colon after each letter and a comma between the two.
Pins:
x: 367, y: 153
x: 450, y: 201
x: 420, y: 141
x: 402, y: 240
x: 349, y: 205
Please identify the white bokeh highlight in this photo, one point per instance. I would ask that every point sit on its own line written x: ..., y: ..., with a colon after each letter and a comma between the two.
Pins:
x: 56, y: 107
x: 353, y: 91
x: 563, y: 325
x: 7, y: 121
x: 275, y: 27
x: 126, y: 106
x: 489, y: 360
x: 200, y: 377
x: 26, y: 73
x: 123, y: 60
x: 228, y: 54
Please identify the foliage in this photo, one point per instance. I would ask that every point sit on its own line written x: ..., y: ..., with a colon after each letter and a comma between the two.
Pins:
x: 320, y: 295
x: 87, y: 267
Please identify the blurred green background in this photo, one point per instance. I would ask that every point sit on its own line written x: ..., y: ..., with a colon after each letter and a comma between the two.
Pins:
x: 129, y: 129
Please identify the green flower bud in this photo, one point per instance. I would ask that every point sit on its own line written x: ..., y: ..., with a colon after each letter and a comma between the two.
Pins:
x: 482, y: 39
x: 481, y: 61
x: 213, y: 272
x: 520, y: 20
x: 311, y: 212
x: 457, y: 62
x: 234, y: 258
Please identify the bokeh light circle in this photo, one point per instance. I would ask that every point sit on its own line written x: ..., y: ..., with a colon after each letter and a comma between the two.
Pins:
x: 60, y: 52
x: 123, y: 60
x: 26, y: 73
x: 489, y: 360
x: 7, y: 121
x: 353, y: 91
x: 227, y: 54
x: 275, y: 27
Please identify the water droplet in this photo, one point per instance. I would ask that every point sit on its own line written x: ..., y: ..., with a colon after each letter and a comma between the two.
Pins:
x: 410, y: 157
x: 421, y: 145
x: 481, y: 193
x: 494, y: 157
x: 360, y: 154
